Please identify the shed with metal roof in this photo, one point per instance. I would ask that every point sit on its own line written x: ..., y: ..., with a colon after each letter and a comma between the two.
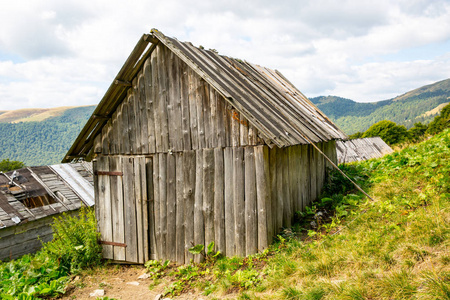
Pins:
x: 192, y: 147
x: 31, y: 197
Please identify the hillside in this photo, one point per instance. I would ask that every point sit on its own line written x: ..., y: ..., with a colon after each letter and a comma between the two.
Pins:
x: 419, y: 105
x: 32, y: 114
x: 40, y: 136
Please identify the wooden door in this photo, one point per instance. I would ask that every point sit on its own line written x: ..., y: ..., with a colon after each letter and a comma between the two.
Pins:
x: 121, y: 207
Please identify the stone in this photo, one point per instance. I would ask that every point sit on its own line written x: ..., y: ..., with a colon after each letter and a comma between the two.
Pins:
x: 144, y: 276
x: 97, y: 293
x: 133, y: 283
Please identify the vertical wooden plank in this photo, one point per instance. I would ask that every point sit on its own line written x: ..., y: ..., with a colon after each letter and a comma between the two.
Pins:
x: 264, y: 214
x: 228, y: 120
x: 251, y: 221
x: 192, y: 80
x: 206, y: 105
x: 293, y: 171
x: 95, y: 168
x: 125, y: 128
x: 119, y: 130
x: 229, y: 202
x: 287, y: 217
x: 143, y: 114
x: 163, y: 95
x: 117, y: 208
x: 174, y: 103
x: 243, y: 130
x: 300, y: 177
x: 239, y: 200
x: 235, y: 128
x: 252, y: 135
x: 156, y: 96
x: 274, y: 189
x: 320, y: 169
x: 220, y: 126
x: 115, y: 134
x: 157, y: 207
x: 150, y: 208
x: 213, y: 117
x: 180, y: 226
x: 137, y: 127
x: 189, y: 201
x: 306, y: 195
x: 139, y: 208
x: 104, y: 135
x: 185, y: 117
x: 163, y: 203
x: 130, y: 210
x: 199, y: 228
x: 208, y: 194
x: 281, y: 194
x: 199, y: 98
x: 219, y: 205
x: 313, y: 173
x: 149, y: 104
x: 105, y: 188
x: 98, y: 143
x: 171, y: 207
x: 132, y: 132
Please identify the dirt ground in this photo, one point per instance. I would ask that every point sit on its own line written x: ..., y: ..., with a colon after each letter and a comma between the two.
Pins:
x: 118, y: 282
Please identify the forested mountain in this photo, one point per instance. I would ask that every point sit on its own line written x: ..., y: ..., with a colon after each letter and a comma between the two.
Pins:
x: 42, y: 142
x: 419, y: 105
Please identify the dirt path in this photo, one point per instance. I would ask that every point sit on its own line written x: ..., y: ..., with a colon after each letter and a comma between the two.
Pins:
x: 119, y: 282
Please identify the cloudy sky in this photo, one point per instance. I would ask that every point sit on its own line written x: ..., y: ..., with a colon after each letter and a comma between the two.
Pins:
x: 64, y: 53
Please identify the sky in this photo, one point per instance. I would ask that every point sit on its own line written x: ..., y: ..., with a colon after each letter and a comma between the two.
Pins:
x: 66, y: 53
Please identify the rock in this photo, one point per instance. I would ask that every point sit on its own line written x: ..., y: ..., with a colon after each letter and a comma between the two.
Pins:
x: 158, y: 297
x: 144, y: 276
x: 97, y: 293
x: 133, y: 283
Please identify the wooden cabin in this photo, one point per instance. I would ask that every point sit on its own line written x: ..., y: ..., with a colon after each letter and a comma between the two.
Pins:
x: 361, y: 149
x: 31, y: 197
x: 191, y: 147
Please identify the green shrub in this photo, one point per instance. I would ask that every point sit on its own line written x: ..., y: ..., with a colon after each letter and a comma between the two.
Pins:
x: 390, y: 132
x: 75, y: 241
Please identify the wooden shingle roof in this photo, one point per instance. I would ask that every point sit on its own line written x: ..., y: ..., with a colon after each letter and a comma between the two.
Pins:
x: 280, y: 112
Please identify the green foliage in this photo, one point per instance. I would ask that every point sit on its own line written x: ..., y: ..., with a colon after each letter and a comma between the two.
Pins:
x: 75, y: 241
x: 156, y: 268
x: 9, y: 165
x: 390, y: 132
x: 440, y: 122
x: 45, y: 142
x: 357, y: 135
x: 46, y: 273
x: 417, y: 132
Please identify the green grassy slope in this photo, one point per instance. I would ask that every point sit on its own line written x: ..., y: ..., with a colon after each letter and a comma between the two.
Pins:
x: 44, y: 142
x: 396, y: 247
x: 406, y: 109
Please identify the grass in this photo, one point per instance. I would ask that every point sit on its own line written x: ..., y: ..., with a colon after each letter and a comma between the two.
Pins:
x: 396, y: 247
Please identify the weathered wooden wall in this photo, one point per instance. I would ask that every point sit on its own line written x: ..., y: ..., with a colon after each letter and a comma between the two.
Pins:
x: 239, y: 197
x: 21, y: 239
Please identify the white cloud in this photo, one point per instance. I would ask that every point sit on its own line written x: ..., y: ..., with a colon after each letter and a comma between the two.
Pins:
x: 55, y: 53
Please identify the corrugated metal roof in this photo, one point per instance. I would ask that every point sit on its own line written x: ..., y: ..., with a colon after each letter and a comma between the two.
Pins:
x: 281, y: 113
x: 361, y: 149
x: 32, y: 193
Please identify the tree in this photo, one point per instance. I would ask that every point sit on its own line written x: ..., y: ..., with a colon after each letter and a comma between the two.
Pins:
x: 9, y: 165
x: 389, y: 131
x: 416, y: 132
x: 440, y: 122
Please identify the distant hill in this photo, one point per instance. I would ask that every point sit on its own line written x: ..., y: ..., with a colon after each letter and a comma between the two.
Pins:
x: 419, y: 105
x: 40, y: 136
x: 32, y: 114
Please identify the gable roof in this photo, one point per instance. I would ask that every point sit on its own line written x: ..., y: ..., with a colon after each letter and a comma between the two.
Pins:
x: 280, y: 112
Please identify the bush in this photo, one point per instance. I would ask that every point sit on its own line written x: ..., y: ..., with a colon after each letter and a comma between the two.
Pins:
x: 9, y: 165
x: 390, y: 132
x: 416, y: 132
x: 75, y: 241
